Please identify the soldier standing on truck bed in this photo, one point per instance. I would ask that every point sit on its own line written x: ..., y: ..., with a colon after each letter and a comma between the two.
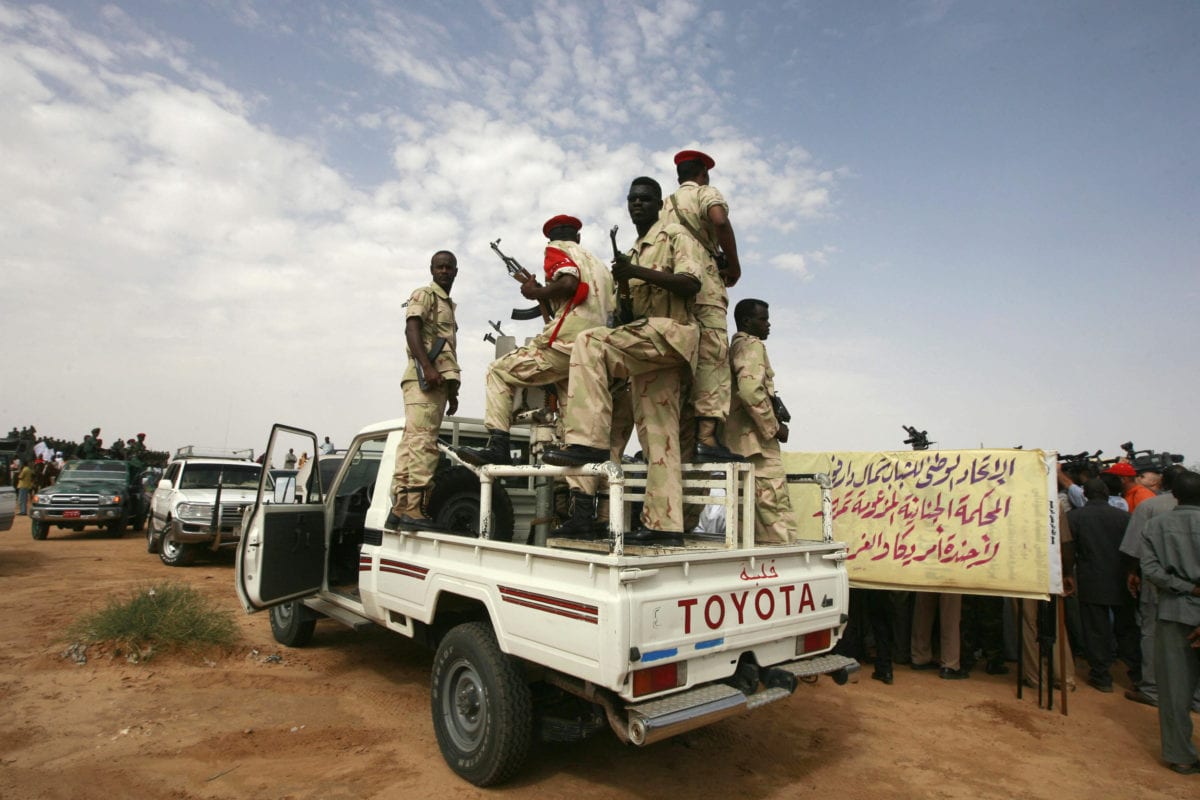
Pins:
x: 753, y: 426
x: 702, y: 211
x: 430, y: 386
x: 654, y: 351
x: 579, y: 293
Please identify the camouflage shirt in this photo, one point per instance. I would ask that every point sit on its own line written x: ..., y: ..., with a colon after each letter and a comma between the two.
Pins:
x: 433, y: 306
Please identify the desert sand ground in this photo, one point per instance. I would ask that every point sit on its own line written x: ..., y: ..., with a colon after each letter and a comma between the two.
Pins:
x: 348, y: 717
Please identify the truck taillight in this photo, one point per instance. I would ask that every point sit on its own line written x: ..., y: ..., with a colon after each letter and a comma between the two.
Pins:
x: 659, y: 679
x: 811, y: 642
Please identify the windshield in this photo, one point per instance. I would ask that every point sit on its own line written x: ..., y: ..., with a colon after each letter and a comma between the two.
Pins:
x: 91, y: 471
x: 117, y: 467
x: 233, y: 476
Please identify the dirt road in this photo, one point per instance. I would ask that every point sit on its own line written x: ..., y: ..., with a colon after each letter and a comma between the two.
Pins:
x: 348, y: 717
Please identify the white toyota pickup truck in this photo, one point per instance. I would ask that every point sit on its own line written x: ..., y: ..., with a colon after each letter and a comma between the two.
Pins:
x: 553, y: 641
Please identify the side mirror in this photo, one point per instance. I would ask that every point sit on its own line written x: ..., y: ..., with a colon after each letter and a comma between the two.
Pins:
x: 164, y: 484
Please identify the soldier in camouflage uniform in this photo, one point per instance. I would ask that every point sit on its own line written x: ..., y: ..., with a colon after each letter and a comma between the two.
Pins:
x: 752, y: 426
x: 136, y: 452
x: 429, y: 317
x: 579, y: 293
x: 702, y: 211
x: 655, y: 352
x: 91, y: 445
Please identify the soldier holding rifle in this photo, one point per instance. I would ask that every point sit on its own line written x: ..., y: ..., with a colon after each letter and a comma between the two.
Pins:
x: 430, y: 387
x: 655, y: 352
x: 756, y: 423
x: 578, y: 296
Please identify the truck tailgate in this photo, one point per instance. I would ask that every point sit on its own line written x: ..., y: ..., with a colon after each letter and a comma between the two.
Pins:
x: 710, y: 610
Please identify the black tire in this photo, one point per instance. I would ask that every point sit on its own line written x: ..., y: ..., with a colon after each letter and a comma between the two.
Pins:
x: 39, y: 529
x: 174, y: 553
x: 138, y: 523
x: 151, y: 541
x: 116, y: 528
x: 292, y: 623
x: 481, y: 704
x: 454, y: 505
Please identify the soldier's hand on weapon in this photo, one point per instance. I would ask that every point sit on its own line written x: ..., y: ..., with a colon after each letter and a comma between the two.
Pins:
x: 433, y: 378
x: 781, y: 435
x: 623, y: 267
x: 531, y: 289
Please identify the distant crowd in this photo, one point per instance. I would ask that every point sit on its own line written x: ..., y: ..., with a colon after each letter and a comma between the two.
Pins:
x: 1130, y: 549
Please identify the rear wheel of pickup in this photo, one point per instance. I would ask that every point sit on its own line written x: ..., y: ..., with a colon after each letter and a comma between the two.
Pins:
x: 482, y: 709
x: 454, y: 505
x: 292, y: 623
x: 39, y: 529
x: 115, y: 528
x: 173, y: 552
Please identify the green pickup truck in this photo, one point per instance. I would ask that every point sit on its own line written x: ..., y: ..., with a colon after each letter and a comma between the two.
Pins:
x: 91, y: 493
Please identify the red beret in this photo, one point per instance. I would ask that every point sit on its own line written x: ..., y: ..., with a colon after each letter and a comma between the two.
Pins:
x: 561, y: 219
x: 694, y: 155
x: 1122, y: 470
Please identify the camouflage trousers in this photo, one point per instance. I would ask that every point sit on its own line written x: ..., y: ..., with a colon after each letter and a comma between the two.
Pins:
x: 712, y: 380
x: 417, y: 453
x: 655, y: 372
x: 774, y: 522
x: 531, y: 365
x: 622, y: 429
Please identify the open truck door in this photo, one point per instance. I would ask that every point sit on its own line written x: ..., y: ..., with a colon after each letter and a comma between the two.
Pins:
x: 281, y: 555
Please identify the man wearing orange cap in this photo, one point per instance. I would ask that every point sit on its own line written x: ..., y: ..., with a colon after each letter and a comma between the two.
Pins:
x: 702, y: 211
x: 579, y: 290
x: 1134, y: 492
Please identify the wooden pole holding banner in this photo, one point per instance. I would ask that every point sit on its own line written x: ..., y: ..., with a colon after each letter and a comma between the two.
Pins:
x: 1067, y: 668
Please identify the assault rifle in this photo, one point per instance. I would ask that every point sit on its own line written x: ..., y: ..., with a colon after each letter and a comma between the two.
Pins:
x: 624, y: 299
x: 522, y: 276
x: 781, y: 412
x: 438, y: 345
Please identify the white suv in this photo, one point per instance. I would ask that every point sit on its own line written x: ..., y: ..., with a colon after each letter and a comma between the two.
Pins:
x: 183, y: 514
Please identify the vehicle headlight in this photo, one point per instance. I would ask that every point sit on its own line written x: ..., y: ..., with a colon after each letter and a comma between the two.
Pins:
x: 111, y: 500
x: 41, y: 499
x: 195, y: 512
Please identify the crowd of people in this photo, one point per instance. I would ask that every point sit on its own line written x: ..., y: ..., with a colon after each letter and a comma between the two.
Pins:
x: 36, y: 463
x: 1131, y: 565
x: 642, y: 344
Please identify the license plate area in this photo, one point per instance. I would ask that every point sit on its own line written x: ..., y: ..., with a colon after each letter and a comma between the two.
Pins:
x: 71, y: 513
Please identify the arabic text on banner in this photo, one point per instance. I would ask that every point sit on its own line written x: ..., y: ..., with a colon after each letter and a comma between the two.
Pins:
x: 973, y: 521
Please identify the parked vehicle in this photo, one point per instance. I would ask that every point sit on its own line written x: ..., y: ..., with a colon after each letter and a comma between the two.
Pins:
x: 90, y: 493
x: 8, y: 507
x: 552, y: 642
x: 185, y: 515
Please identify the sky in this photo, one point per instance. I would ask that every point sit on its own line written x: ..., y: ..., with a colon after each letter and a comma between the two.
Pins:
x: 981, y: 219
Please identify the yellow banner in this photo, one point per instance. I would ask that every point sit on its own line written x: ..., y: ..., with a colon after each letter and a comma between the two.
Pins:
x: 970, y: 521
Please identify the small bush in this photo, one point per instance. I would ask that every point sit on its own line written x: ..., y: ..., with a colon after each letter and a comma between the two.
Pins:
x: 158, y: 618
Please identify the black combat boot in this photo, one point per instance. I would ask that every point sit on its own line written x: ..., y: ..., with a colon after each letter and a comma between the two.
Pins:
x: 575, y: 455
x: 498, y: 451
x: 582, y: 524
x: 708, y: 447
